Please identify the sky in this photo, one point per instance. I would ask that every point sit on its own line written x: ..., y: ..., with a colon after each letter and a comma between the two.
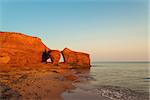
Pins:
x: 109, y: 30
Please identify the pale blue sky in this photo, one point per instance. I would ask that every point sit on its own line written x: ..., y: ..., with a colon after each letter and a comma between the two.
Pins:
x: 107, y: 29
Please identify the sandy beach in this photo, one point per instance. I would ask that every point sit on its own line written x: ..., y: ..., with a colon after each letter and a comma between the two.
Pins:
x: 34, y: 82
x: 45, y: 81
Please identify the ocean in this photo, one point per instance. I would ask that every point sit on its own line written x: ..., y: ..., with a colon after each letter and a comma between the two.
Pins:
x: 131, y: 75
x: 114, y: 77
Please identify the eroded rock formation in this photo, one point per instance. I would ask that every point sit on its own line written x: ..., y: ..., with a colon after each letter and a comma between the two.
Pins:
x: 76, y: 58
x: 55, y: 56
x: 18, y: 48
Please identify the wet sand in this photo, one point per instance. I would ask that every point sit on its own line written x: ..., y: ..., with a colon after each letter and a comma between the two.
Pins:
x: 104, y: 93
x: 45, y: 81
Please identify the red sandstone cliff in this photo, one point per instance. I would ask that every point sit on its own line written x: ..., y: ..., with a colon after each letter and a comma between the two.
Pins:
x: 19, y: 48
x: 55, y: 56
x: 76, y: 58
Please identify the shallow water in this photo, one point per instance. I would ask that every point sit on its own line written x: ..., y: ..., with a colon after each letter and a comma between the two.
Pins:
x: 112, y: 78
x: 134, y: 76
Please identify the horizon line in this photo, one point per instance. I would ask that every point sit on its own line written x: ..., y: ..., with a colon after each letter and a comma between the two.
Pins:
x: 120, y: 61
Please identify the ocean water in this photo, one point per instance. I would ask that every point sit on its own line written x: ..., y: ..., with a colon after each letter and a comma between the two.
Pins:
x: 131, y: 75
x: 111, y: 81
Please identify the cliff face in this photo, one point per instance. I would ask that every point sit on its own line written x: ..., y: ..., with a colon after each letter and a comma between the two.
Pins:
x: 77, y: 59
x: 19, y: 48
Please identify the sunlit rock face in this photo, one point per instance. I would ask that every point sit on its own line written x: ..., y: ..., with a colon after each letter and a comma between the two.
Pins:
x: 4, y: 58
x: 55, y: 56
x: 76, y: 59
x: 18, y: 48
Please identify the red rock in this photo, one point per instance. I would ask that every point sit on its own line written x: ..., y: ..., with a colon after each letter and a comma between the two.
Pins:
x: 55, y: 56
x: 71, y: 77
x: 76, y: 59
x: 4, y: 58
x: 20, y: 48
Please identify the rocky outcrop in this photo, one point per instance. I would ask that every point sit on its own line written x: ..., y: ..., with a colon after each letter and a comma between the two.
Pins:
x: 55, y: 56
x: 76, y: 59
x: 18, y: 48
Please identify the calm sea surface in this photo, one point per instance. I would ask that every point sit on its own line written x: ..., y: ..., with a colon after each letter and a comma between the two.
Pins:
x: 130, y: 75
x: 133, y: 76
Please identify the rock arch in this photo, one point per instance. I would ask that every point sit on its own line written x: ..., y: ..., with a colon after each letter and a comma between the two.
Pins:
x: 75, y: 58
x: 55, y: 56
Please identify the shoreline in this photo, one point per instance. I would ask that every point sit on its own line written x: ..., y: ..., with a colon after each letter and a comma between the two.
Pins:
x: 81, y: 92
x: 34, y: 82
x: 84, y: 90
x: 44, y: 81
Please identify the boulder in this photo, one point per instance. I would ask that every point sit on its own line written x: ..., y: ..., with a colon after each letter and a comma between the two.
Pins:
x: 55, y: 56
x: 20, y: 48
x: 76, y: 59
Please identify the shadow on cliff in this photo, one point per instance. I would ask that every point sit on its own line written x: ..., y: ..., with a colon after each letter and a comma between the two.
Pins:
x: 45, y: 56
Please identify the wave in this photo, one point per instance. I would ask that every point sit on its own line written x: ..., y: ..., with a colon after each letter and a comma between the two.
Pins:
x: 109, y: 92
x: 120, y: 93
